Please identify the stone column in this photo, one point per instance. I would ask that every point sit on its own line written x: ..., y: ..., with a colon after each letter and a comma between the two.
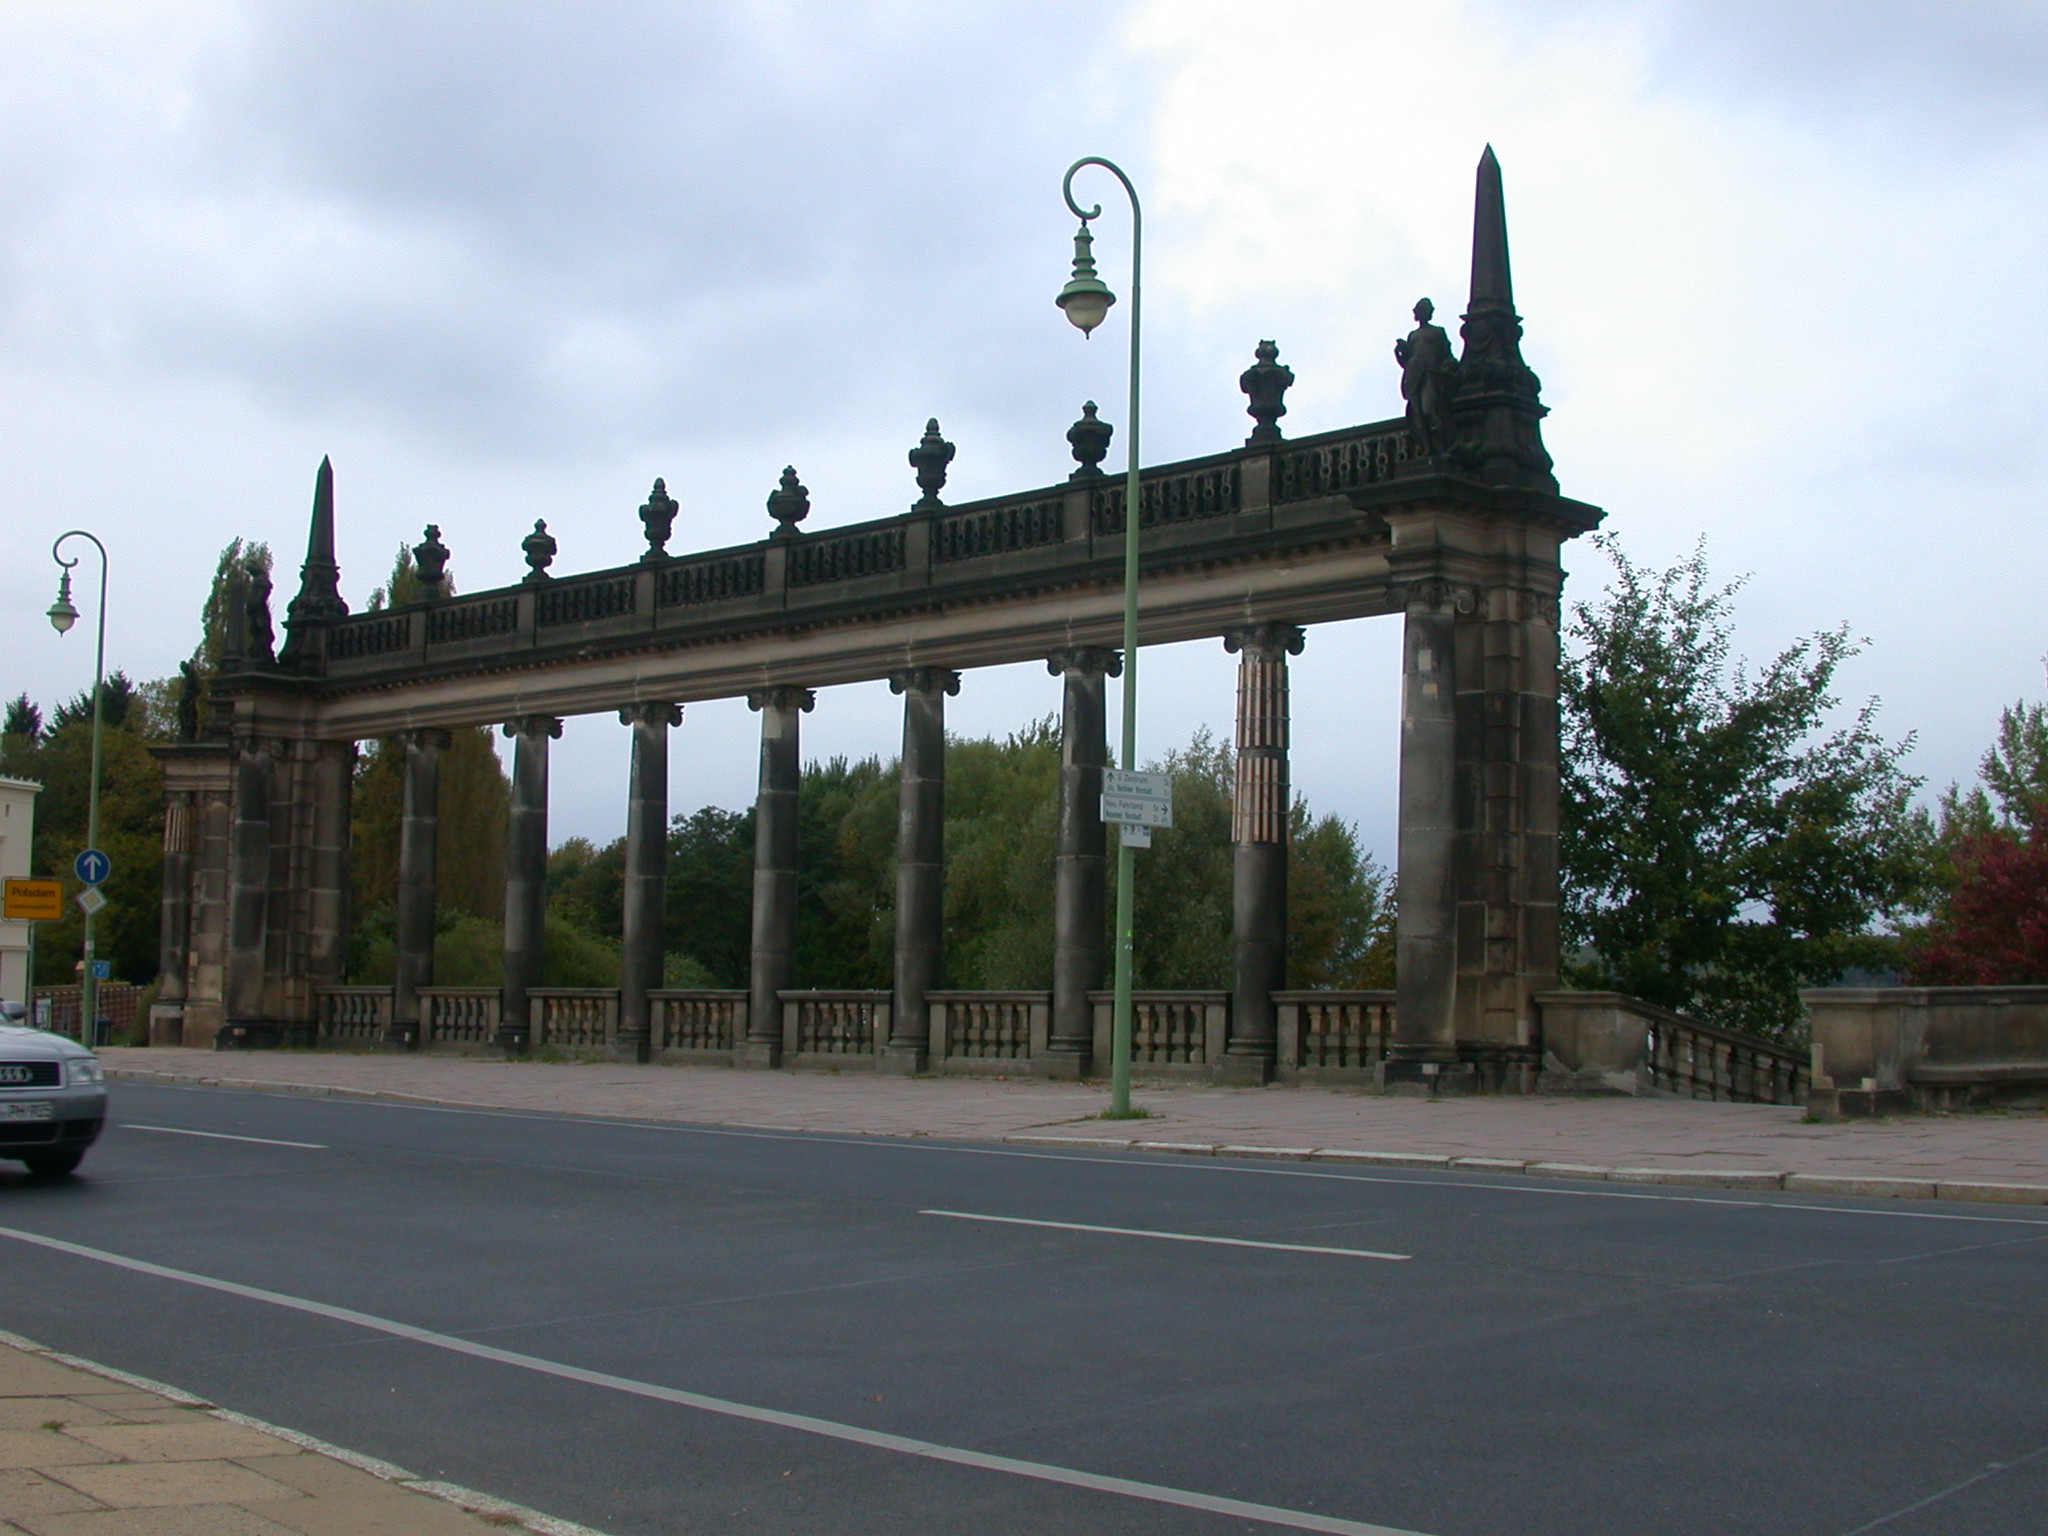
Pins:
x: 1258, y: 828
x: 1079, y: 893
x: 419, y: 823
x: 773, y: 964
x: 1508, y: 823
x: 174, y: 924
x: 645, y: 896
x: 333, y: 784
x: 249, y: 897
x: 526, y: 875
x: 1424, y: 1052
x: 920, y: 863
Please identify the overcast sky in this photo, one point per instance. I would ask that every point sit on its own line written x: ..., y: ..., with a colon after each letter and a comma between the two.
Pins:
x: 1781, y: 266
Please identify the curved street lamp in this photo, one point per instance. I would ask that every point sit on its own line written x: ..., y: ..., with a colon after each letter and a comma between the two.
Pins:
x: 1086, y: 301
x: 62, y: 616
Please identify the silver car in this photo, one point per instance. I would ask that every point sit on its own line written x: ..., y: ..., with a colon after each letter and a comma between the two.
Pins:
x: 53, y: 1100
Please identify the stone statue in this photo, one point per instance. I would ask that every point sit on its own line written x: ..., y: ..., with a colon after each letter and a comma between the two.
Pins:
x: 1428, y: 374
x: 188, y: 702
x: 262, y: 636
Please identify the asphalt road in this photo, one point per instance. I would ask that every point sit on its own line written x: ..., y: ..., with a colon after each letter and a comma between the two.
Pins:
x: 663, y: 1329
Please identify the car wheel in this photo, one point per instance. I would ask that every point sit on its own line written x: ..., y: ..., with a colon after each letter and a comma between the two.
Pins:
x: 54, y: 1165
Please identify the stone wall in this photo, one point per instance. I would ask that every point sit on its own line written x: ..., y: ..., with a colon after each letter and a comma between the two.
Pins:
x: 1882, y: 1050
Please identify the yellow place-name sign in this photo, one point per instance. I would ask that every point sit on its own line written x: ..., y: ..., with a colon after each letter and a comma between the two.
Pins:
x: 34, y: 901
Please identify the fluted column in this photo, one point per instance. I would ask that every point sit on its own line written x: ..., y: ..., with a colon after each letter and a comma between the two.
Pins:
x: 1260, y: 806
x: 248, y: 896
x: 1079, y: 893
x: 645, y: 894
x: 418, y: 864
x: 526, y: 875
x: 920, y: 863
x: 772, y: 969
x: 1424, y: 1050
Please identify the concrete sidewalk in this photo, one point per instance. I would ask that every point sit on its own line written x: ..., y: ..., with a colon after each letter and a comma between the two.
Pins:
x: 1995, y: 1156
x: 85, y: 1451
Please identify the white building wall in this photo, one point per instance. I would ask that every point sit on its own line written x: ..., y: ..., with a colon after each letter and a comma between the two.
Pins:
x: 17, y: 836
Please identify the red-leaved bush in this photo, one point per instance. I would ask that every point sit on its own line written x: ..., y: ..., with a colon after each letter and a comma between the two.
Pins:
x: 1993, y: 930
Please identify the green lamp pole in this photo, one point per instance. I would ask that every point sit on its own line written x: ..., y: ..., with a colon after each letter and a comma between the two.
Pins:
x: 62, y: 617
x: 1086, y: 300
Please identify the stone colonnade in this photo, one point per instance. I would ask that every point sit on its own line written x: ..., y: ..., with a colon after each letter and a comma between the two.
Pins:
x: 257, y: 834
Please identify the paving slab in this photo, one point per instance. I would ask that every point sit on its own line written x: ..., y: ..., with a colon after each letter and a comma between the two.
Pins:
x: 1987, y: 1156
x: 114, y: 1456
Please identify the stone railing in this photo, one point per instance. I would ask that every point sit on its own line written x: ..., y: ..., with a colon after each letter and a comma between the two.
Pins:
x: 353, y: 1016
x: 1881, y: 1050
x: 1607, y: 1042
x: 1173, y: 1034
x: 1332, y: 1036
x: 696, y: 1023
x: 458, y: 1018
x: 987, y: 1032
x: 574, y: 1018
x: 819, y: 1026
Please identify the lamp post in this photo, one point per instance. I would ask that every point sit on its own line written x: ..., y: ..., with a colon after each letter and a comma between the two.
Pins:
x: 1086, y: 301
x: 62, y: 617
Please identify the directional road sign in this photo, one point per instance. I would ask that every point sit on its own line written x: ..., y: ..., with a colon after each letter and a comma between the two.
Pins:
x: 34, y: 901
x: 92, y: 867
x: 1137, y: 799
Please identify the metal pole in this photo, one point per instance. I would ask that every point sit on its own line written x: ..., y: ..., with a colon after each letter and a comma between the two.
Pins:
x: 1126, y: 860
x: 89, y: 992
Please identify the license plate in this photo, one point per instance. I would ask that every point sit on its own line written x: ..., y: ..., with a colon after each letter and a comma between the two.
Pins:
x: 33, y: 1111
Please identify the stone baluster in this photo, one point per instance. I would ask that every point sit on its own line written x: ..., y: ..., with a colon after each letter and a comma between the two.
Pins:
x: 772, y: 968
x: 645, y: 893
x: 920, y: 863
x: 526, y: 875
x: 418, y: 840
x: 1258, y: 823
x: 1080, y: 946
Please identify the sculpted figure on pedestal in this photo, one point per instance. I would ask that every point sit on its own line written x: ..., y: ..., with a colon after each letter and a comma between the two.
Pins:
x: 1428, y: 375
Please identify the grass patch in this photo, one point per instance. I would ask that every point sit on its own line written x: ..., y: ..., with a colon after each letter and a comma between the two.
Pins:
x: 1135, y: 1112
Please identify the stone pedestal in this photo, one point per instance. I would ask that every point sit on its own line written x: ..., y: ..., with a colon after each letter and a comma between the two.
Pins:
x: 920, y: 864
x: 772, y: 967
x: 526, y: 876
x: 645, y: 892
x: 418, y: 842
x: 1080, y: 885
x: 1259, y: 816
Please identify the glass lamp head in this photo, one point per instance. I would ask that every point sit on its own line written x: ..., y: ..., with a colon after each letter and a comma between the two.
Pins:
x: 62, y: 614
x: 1086, y: 298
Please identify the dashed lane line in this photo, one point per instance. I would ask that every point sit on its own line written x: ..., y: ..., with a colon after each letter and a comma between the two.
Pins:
x: 1169, y: 1237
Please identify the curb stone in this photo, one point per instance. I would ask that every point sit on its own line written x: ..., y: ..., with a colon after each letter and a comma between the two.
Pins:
x: 467, y: 1499
x: 1860, y: 1186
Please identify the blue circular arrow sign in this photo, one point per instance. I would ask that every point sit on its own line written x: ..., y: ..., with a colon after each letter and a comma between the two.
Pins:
x: 92, y: 866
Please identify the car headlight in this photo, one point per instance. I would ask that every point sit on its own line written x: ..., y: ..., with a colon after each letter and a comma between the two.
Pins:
x: 84, y: 1069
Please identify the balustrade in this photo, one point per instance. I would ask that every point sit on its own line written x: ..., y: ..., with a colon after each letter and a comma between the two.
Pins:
x: 353, y: 1015
x: 697, y: 1020
x: 1698, y: 1061
x: 971, y: 1027
x: 458, y: 1017
x: 1169, y: 1030
x: 833, y: 1023
x: 1333, y: 1031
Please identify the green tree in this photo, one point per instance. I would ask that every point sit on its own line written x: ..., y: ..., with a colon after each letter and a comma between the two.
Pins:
x: 1340, y: 908
x: 711, y: 895
x: 1721, y: 848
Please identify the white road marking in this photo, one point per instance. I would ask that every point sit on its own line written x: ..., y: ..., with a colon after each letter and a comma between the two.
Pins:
x: 1170, y: 1237
x: 267, y: 1141
x: 1291, y: 1519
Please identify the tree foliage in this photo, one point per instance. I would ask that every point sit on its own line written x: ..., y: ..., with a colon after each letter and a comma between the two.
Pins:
x: 1721, y: 846
x: 1990, y: 925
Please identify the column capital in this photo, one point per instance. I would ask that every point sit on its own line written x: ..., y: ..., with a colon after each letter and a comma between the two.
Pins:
x: 534, y: 725
x: 924, y: 680
x: 1089, y: 660
x: 430, y: 738
x: 782, y: 696
x: 1265, y: 642
x: 1435, y: 593
x: 651, y: 714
